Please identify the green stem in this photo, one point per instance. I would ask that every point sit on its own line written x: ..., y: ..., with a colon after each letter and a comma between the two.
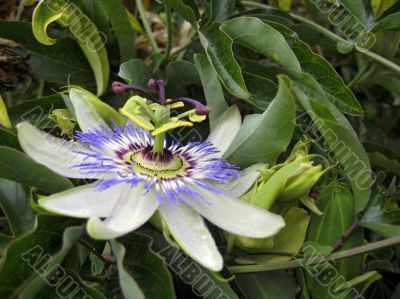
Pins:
x: 20, y: 10
x: 169, y: 32
x: 316, y: 259
x: 146, y: 25
x: 158, y: 146
x: 40, y: 88
x: 182, y: 51
x: 94, y: 251
x: 383, y: 61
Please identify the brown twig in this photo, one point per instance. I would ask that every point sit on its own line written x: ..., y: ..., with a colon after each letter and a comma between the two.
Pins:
x: 339, y: 243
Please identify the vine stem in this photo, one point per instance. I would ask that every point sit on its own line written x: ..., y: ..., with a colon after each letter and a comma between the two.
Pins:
x: 146, y: 25
x: 339, y: 243
x: 383, y: 61
x: 169, y: 32
x: 94, y: 251
x: 20, y: 10
x: 316, y: 259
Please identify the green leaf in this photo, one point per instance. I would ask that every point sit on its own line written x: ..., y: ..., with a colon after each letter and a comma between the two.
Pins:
x: 337, y: 204
x: 218, y: 47
x: 221, y: 10
x: 36, y: 111
x: 90, y: 111
x: 30, y: 258
x: 343, y: 143
x: 64, y: 63
x: 381, y: 161
x: 268, y: 285
x: 120, y: 25
x: 356, y: 8
x: 212, y: 88
x: 190, y: 272
x: 380, y: 6
x: 137, y: 262
x: 263, y: 90
x: 388, y: 23
x: 85, y: 31
x: 9, y: 138
x: 263, y: 137
x: 289, y: 239
x: 179, y: 75
x: 136, y: 72
x: 320, y: 69
x: 15, y: 203
x: 86, y: 290
x: 396, y: 293
x: 262, y: 38
x: 4, y: 119
x: 381, y: 220
x: 362, y: 282
x: 16, y: 166
x: 186, y: 8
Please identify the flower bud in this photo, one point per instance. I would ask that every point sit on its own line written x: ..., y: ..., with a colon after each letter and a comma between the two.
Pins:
x: 293, y: 179
x: 300, y: 183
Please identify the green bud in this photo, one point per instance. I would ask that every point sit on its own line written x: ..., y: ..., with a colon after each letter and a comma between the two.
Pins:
x: 291, y: 180
x: 300, y: 183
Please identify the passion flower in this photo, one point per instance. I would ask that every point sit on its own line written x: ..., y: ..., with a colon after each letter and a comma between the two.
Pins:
x: 137, y: 175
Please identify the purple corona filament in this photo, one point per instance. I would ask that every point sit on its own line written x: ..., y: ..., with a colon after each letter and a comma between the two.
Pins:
x: 159, y: 85
x: 124, y: 155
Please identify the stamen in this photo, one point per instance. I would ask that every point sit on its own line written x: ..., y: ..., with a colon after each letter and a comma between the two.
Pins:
x: 121, y: 89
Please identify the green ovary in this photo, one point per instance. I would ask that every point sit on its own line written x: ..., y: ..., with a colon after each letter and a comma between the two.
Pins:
x: 156, y: 167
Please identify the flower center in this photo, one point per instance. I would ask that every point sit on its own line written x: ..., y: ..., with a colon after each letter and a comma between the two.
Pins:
x: 162, y: 165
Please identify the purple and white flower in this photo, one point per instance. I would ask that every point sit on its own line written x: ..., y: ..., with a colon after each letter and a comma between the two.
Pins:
x: 184, y: 183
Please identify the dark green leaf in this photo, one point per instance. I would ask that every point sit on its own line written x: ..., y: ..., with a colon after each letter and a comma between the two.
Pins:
x: 389, y: 23
x: 218, y: 47
x: 85, y: 31
x: 341, y: 141
x: 337, y: 204
x: 31, y: 258
x: 121, y: 27
x: 179, y: 75
x: 16, y: 166
x: 263, y: 90
x: 15, y: 203
x: 263, y: 137
x: 137, y: 262
x: 356, y: 8
x: 212, y: 88
x: 316, y: 66
x: 9, y: 138
x: 203, y: 281
x: 186, y: 8
x: 380, y: 220
x: 269, y: 285
x: 382, y: 162
x: 36, y: 111
x: 263, y: 39
x: 221, y: 10
x: 135, y: 71
x: 64, y: 63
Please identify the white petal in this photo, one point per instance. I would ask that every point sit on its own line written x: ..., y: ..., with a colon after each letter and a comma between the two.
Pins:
x: 189, y: 231
x: 237, y: 216
x: 55, y: 153
x: 132, y: 210
x: 247, y: 178
x: 226, y: 129
x: 85, y: 111
x: 83, y: 201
